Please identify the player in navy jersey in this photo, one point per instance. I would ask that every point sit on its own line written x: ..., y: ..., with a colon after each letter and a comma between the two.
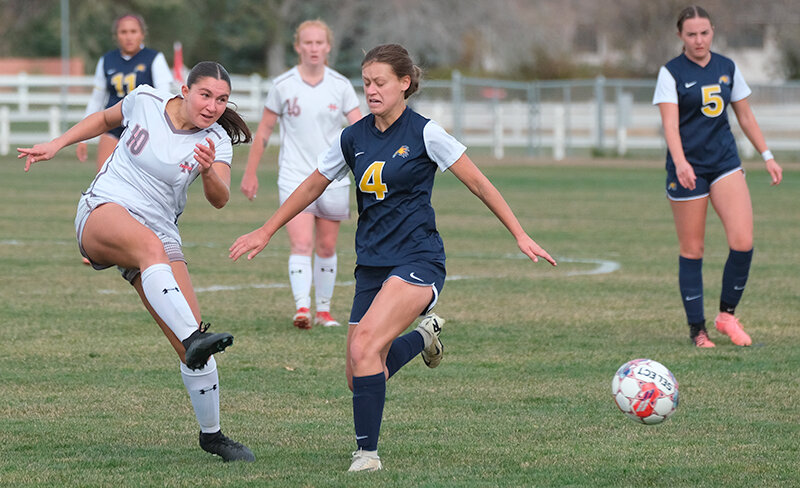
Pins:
x: 394, y: 154
x: 311, y: 101
x: 692, y: 93
x: 118, y: 72
x: 128, y: 216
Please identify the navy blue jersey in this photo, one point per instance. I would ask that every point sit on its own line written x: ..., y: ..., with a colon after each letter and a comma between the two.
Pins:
x: 394, y: 172
x: 122, y: 75
x: 703, y: 95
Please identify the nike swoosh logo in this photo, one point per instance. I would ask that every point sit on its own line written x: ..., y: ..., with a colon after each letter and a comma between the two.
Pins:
x: 689, y: 85
x: 738, y: 288
x: 414, y: 276
x: 359, y: 437
x: 358, y: 154
x: 689, y: 299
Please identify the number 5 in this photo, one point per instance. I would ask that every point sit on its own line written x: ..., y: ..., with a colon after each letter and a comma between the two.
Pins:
x: 713, y: 104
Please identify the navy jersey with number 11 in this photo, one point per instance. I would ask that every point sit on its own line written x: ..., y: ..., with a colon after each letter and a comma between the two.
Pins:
x: 394, y: 172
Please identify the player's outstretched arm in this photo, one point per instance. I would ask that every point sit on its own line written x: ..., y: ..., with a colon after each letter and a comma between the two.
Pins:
x: 254, y: 242
x: 469, y: 174
x: 92, y: 126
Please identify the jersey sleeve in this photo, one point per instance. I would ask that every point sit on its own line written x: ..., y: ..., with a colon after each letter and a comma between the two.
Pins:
x: 442, y: 148
x: 162, y: 76
x: 666, y: 92
x: 97, y: 100
x: 273, y: 102
x: 349, y: 98
x: 224, y: 149
x: 331, y: 164
x: 739, y: 90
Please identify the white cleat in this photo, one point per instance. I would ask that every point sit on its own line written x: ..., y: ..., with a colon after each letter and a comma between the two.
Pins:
x: 366, y: 461
x: 431, y: 326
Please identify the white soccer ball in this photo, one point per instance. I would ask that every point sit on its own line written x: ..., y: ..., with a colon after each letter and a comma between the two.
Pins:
x: 645, y: 390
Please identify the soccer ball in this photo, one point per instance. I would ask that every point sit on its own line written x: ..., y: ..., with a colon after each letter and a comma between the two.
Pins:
x: 645, y: 391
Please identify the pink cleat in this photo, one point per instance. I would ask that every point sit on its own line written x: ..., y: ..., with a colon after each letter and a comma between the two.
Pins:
x: 324, y: 319
x: 302, y: 318
x: 730, y: 326
x: 702, y: 340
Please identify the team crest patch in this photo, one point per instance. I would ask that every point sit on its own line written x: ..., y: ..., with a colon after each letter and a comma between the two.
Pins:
x: 725, y: 80
x: 672, y: 186
x: 141, y: 67
x: 403, y: 152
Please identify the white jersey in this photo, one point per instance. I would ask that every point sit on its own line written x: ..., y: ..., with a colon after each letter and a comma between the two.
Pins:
x: 153, y: 164
x: 310, y: 120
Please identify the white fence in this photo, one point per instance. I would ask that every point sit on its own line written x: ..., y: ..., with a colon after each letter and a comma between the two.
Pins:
x: 546, y: 118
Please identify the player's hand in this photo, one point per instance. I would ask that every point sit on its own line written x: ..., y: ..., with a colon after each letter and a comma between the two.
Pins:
x: 249, y: 185
x: 205, y: 155
x: 252, y: 243
x: 39, y: 152
x: 529, y: 247
x: 775, y: 171
x: 82, y: 152
x: 686, y: 176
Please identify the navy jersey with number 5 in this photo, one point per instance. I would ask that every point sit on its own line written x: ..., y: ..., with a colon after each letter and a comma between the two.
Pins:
x: 394, y: 172
x: 703, y: 94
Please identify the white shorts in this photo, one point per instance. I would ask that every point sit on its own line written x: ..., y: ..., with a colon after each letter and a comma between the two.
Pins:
x: 87, y: 203
x: 333, y: 204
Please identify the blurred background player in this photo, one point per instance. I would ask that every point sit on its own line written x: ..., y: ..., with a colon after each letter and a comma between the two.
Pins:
x: 128, y: 216
x: 692, y: 93
x: 394, y: 154
x: 310, y: 100
x: 118, y: 72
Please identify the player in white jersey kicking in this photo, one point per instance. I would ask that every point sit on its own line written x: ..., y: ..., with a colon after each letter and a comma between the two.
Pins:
x: 128, y: 216
x: 310, y: 100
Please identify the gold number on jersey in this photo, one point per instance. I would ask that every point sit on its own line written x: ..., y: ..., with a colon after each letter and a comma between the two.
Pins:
x: 713, y: 105
x: 123, y: 83
x: 372, y: 180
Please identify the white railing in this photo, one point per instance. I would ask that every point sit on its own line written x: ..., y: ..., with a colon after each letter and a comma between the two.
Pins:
x: 552, y: 118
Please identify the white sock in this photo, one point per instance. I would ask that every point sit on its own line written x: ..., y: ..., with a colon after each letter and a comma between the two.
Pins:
x: 300, y: 278
x: 324, y: 281
x: 203, y: 387
x: 165, y: 297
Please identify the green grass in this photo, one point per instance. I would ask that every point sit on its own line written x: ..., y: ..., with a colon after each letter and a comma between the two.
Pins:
x: 92, y: 396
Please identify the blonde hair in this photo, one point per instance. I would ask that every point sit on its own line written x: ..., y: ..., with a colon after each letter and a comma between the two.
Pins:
x: 314, y: 23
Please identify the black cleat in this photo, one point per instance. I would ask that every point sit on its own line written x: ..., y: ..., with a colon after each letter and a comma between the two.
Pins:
x: 201, y: 345
x: 228, y: 450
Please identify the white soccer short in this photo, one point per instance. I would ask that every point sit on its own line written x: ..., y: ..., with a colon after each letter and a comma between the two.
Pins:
x: 333, y: 204
x: 87, y: 203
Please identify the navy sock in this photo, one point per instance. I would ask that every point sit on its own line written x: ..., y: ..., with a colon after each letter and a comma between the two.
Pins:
x: 369, y: 395
x: 734, y: 279
x: 690, y: 280
x: 403, y: 350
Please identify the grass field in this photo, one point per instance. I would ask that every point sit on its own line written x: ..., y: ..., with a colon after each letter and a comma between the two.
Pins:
x: 92, y: 395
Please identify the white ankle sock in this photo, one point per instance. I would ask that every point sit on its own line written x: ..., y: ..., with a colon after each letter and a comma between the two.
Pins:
x: 300, y: 277
x: 203, y: 387
x: 324, y: 281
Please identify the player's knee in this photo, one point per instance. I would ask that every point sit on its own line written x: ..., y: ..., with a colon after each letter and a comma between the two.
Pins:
x: 362, y: 348
x: 692, y: 251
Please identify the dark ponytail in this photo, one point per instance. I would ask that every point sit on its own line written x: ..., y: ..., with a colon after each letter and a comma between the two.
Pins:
x: 233, y: 124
